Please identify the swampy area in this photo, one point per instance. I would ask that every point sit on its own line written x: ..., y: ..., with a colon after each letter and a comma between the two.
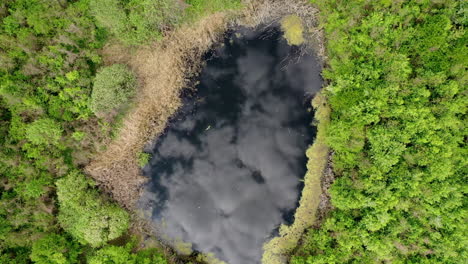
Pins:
x: 238, y: 131
x: 228, y: 169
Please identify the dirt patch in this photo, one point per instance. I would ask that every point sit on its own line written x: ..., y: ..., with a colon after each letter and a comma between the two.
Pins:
x: 163, y: 70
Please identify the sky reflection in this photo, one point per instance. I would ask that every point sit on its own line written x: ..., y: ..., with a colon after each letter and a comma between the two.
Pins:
x: 226, y: 173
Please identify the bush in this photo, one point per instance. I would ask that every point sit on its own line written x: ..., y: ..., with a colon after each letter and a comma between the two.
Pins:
x: 113, y: 86
x: 136, y: 21
x: 200, y: 8
x: 55, y: 249
x: 44, y: 131
x: 124, y: 255
x: 85, y: 214
x: 293, y: 29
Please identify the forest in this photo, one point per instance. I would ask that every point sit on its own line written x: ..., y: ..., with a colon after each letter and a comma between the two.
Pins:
x: 397, y: 90
x: 396, y: 74
x: 58, y: 106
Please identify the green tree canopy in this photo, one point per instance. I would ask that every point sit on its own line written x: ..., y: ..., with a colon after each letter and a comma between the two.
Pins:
x: 55, y: 249
x: 124, y: 255
x: 113, y: 86
x: 85, y: 214
x: 44, y: 131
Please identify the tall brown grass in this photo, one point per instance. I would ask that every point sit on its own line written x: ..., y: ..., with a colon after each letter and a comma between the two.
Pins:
x: 163, y: 70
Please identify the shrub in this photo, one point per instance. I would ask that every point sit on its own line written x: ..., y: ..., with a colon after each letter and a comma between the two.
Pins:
x: 200, y: 8
x: 44, y: 131
x: 85, y: 214
x: 143, y: 158
x: 55, y: 249
x: 293, y: 29
x: 113, y: 86
x: 135, y: 21
x: 124, y: 255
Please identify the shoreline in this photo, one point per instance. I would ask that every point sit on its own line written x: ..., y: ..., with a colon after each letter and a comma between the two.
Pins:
x: 278, y: 249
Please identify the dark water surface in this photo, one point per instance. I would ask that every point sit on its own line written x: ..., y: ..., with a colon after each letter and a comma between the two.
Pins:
x: 226, y: 173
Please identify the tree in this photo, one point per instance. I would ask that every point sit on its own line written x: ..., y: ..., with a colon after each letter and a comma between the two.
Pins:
x: 55, y: 249
x: 124, y: 255
x: 113, y: 86
x: 44, y: 132
x: 86, y: 215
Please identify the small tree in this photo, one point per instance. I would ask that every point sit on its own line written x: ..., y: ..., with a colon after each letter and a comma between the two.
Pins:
x: 55, y: 249
x: 113, y: 86
x: 44, y: 131
x: 123, y: 255
x: 85, y: 214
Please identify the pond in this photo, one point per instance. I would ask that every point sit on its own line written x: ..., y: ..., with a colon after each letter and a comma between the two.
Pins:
x: 227, y: 171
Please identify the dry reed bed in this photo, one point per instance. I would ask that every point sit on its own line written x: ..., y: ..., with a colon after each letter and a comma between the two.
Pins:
x: 162, y: 70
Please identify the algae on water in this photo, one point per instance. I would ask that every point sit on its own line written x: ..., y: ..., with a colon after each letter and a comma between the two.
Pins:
x: 293, y: 29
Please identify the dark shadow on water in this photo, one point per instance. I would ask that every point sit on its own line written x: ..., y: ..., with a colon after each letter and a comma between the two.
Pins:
x: 227, y: 171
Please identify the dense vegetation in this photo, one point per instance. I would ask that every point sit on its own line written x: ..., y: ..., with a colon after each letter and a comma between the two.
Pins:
x: 49, y: 97
x: 113, y: 86
x: 397, y: 73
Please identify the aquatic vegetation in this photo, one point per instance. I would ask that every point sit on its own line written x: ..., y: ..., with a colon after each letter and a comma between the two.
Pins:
x: 278, y: 249
x: 143, y: 158
x: 293, y: 29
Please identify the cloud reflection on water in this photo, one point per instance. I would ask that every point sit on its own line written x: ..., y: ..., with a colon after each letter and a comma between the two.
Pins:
x: 224, y: 176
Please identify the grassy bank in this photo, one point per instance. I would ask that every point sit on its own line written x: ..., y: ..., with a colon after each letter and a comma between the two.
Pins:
x: 279, y: 248
x: 397, y: 93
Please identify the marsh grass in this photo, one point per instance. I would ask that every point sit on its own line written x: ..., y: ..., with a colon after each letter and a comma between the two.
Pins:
x: 278, y: 249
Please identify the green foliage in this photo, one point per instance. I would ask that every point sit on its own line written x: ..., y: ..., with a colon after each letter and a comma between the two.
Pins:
x: 143, y: 158
x: 113, y: 86
x: 55, y: 249
x: 85, y: 214
x: 44, y: 131
x: 49, y: 56
x: 135, y: 21
x: 398, y: 97
x: 293, y: 29
x: 200, y: 8
x: 124, y: 255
